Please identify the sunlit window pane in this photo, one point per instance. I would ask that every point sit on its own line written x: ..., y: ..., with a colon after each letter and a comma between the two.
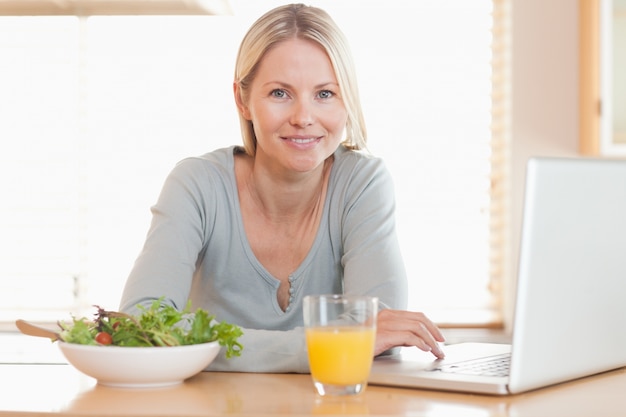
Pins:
x: 39, y: 177
x: 96, y: 112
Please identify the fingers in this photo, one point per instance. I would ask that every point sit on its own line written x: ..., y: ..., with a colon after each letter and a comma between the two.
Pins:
x: 407, y: 328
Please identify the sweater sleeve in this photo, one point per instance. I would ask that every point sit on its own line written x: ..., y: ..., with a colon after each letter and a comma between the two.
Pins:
x: 166, y: 264
x: 372, y: 259
x: 274, y: 351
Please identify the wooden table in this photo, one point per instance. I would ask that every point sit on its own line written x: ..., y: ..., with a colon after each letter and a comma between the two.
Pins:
x: 59, y: 390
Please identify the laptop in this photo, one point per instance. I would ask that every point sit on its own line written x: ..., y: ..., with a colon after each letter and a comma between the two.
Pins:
x: 570, y: 311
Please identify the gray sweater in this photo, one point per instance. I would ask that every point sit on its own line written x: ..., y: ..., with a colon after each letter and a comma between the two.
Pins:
x: 196, y: 249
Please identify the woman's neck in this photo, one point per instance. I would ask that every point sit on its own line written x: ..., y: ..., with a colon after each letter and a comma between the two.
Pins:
x: 285, y: 198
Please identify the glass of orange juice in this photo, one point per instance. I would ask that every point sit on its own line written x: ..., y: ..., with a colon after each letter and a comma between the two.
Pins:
x: 340, y: 334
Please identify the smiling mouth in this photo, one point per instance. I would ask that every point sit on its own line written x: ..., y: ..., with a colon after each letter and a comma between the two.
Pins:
x: 302, y: 140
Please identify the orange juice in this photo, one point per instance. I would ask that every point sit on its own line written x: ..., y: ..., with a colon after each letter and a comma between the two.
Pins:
x: 340, y: 355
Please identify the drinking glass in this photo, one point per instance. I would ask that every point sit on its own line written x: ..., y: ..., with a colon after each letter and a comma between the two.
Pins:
x: 340, y: 334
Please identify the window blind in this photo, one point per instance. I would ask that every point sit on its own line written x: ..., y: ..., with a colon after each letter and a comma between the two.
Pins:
x: 98, y: 110
x: 499, y: 221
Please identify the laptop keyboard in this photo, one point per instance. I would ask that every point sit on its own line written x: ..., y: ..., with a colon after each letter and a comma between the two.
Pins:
x: 490, y: 366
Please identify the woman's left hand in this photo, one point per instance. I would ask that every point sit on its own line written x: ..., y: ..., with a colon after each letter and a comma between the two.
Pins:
x: 407, y: 328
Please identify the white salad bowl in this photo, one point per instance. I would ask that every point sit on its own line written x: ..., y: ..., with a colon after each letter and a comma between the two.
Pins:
x: 140, y: 367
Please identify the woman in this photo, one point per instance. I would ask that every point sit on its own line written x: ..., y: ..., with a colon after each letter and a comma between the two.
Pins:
x: 246, y: 233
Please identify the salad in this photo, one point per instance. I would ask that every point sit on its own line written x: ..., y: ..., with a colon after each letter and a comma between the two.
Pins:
x: 158, y: 325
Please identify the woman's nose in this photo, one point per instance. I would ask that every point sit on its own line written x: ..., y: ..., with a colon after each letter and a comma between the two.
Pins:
x: 302, y: 114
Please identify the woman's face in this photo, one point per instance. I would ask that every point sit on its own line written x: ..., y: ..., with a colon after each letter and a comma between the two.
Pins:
x: 295, y: 107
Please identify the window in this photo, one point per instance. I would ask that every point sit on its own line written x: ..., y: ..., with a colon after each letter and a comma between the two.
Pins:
x: 96, y: 111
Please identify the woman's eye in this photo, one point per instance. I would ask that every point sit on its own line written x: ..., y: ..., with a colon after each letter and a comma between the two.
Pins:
x: 278, y: 93
x: 326, y: 94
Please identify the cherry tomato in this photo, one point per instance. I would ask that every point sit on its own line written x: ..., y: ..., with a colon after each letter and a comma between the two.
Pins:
x: 104, y: 338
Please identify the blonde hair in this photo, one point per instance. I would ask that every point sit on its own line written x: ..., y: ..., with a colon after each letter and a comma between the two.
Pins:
x: 309, y: 23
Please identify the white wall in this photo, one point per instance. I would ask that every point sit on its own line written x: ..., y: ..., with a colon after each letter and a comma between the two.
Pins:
x: 544, y: 119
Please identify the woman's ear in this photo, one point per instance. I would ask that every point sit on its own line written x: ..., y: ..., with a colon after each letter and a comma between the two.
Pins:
x: 243, y: 109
